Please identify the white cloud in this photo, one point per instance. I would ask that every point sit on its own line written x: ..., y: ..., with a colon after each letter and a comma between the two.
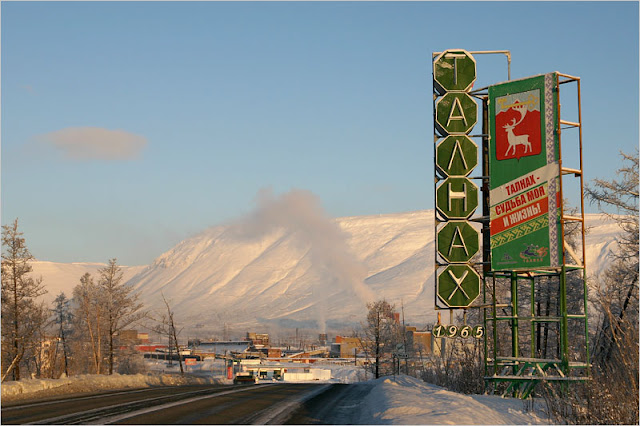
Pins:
x: 29, y: 88
x: 94, y: 143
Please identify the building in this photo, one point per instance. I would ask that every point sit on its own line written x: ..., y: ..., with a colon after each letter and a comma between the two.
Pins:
x: 258, y: 339
x: 322, y: 339
x: 151, y: 347
x: 419, y: 342
x: 213, y: 348
x: 345, y: 347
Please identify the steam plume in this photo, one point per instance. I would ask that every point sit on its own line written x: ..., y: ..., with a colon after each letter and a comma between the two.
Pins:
x: 300, y: 214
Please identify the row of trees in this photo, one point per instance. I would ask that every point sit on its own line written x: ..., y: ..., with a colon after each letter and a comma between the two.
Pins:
x: 79, y: 334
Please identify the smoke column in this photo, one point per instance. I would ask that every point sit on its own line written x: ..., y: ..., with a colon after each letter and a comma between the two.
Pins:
x: 299, y: 213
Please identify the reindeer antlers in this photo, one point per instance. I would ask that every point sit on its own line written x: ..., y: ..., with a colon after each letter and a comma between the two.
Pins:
x: 510, y: 126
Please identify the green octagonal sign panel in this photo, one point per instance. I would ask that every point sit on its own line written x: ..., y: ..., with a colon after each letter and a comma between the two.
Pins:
x: 456, y: 156
x: 457, y: 198
x: 456, y: 112
x: 457, y: 242
x: 458, y: 286
x: 454, y: 70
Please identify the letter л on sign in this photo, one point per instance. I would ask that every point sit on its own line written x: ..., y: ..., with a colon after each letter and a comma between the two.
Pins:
x: 457, y: 155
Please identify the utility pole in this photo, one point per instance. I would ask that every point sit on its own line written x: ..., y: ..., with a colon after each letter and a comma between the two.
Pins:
x: 404, y: 336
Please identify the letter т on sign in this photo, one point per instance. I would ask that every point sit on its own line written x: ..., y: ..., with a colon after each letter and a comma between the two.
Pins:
x: 454, y: 71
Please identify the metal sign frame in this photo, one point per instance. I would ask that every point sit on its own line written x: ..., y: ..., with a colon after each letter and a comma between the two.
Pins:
x: 527, y: 338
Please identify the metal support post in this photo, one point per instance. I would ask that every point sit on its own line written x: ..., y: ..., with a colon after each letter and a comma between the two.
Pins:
x: 514, y: 313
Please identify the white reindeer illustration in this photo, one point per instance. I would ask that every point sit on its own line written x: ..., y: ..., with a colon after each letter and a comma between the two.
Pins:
x: 515, y: 140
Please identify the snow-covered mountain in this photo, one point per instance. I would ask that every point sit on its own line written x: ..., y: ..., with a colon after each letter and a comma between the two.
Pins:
x: 265, y: 274
x: 63, y: 277
x: 292, y: 280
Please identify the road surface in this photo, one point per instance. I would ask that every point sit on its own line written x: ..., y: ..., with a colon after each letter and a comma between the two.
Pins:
x: 244, y: 404
x: 339, y: 405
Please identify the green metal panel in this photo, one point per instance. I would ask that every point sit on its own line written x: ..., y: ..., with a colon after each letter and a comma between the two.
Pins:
x: 457, y: 198
x: 458, y: 285
x: 454, y: 71
x: 456, y: 156
x: 456, y: 112
x: 458, y: 242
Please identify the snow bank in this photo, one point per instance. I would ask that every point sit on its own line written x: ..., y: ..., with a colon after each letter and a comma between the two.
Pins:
x: 407, y: 400
x: 43, y: 388
x: 347, y: 374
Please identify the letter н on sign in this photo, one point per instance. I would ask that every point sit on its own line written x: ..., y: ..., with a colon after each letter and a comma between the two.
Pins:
x: 457, y: 198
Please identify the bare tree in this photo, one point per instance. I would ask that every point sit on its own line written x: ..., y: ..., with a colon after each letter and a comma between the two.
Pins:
x: 89, y: 314
x: 617, y: 295
x: 19, y: 293
x: 63, y: 319
x: 38, y: 354
x: 122, y: 307
x: 167, y: 327
x: 381, y: 333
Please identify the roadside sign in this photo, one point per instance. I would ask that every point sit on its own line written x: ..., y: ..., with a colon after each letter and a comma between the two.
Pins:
x: 452, y: 330
x: 439, y: 331
x: 455, y: 115
x: 458, y: 285
x: 457, y: 197
x: 456, y: 112
x: 457, y: 242
x: 456, y: 155
x: 524, y: 174
x: 454, y: 71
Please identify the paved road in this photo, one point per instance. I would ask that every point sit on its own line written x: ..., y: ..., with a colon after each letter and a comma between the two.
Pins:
x: 339, y: 405
x: 248, y: 404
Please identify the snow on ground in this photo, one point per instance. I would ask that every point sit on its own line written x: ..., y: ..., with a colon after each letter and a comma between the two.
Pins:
x: 407, y: 400
x: 92, y: 383
x: 392, y: 400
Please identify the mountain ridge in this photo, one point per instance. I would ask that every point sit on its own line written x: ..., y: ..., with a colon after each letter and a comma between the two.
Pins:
x: 297, y: 278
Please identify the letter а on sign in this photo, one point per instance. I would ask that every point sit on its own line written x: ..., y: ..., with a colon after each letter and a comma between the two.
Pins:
x: 457, y: 242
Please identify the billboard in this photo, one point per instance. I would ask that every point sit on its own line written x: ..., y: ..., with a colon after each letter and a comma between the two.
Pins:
x: 524, y: 174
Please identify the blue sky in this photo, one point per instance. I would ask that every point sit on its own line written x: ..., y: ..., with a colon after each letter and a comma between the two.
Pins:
x: 205, y: 103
